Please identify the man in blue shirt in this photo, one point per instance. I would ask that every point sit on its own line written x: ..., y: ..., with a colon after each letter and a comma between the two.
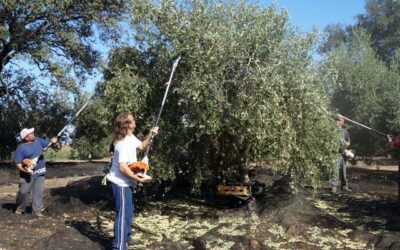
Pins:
x: 31, y: 150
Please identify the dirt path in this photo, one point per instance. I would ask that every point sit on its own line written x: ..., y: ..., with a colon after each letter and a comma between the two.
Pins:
x: 12, y: 189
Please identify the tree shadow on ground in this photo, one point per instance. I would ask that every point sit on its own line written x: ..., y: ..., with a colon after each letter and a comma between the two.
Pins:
x: 9, y: 206
x: 7, y: 209
x: 371, y: 175
x: 378, y: 217
x: 374, y: 203
x: 373, y: 214
x: 92, y: 232
x: 78, y: 196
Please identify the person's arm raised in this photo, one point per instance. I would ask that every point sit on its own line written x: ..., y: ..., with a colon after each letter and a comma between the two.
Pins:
x: 145, y: 143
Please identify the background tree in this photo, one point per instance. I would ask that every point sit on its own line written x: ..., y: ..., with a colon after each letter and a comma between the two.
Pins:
x: 9, y: 124
x: 335, y: 35
x: 382, y: 22
x: 93, y: 131
x: 365, y: 89
x: 365, y: 58
x: 50, y: 40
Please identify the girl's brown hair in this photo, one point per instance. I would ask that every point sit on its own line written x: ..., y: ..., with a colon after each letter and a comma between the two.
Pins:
x: 121, y: 125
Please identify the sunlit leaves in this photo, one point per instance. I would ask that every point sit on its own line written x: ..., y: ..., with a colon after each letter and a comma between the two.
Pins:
x: 246, y: 88
x: 126, y: 92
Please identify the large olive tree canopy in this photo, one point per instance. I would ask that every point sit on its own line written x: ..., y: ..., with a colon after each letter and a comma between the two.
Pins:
x: 244, y: 92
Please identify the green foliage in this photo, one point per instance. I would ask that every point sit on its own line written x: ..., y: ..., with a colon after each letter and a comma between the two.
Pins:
x: 47, y: 109
x: 92, y: 130
x: 51, y: 40
x: 63, y: 153
x: 130, y: 98
x: 124, y: 90
x: 381, y: 21
x: 89, y: 150
x: 335, y: 35
x: 244, y: 91
x: 364, y: 89
x: 44, y: 30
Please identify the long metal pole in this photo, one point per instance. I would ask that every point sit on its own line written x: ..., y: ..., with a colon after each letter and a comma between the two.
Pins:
x: 361, y: 125
x: 73, y: 118
x: 59, y: 133
x: 69, y: 122
x: 166, y: 91
x: 162, y: 105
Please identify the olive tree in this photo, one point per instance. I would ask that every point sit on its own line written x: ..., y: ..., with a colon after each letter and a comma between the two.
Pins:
x: 245, y: 93
x: 364, y: 88
x: 46, y: 49
x: 245, y: 90
x: 124, y: 88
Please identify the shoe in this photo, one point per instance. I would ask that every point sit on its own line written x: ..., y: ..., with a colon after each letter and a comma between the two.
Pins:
x: 346, y: 189
x: 39, y: 215
x: 17, y: 212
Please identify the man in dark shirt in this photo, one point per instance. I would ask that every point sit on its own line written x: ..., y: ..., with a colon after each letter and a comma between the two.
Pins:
x: 344, y: 142
x: 30, y: 161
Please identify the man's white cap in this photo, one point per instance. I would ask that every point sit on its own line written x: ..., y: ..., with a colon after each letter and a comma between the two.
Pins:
x: 25, y: 132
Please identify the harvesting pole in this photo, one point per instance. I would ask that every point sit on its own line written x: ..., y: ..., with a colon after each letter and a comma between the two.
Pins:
x: 30, y: 164
x: 75, y: 116
x: 361, y: 125
x: 161, y: 108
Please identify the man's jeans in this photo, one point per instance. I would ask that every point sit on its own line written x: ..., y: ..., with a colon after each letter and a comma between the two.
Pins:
x: 26, y: 185
x: 340, y: 173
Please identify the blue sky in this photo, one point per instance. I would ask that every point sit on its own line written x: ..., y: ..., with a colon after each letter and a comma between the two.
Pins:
x: 305, y: 14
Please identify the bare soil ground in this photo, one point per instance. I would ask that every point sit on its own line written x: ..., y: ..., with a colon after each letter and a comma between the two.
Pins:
x: 79, y: 215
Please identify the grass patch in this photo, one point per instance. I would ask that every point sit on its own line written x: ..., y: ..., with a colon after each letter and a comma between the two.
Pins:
x: 65, y: 153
